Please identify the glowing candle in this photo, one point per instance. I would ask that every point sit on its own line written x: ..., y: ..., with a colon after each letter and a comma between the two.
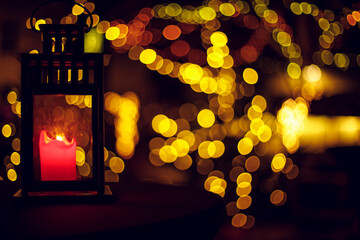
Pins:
x: 57, y: 158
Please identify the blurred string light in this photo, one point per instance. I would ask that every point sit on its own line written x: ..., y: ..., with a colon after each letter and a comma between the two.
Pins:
x: 262, y: 138
x: 125, y: 108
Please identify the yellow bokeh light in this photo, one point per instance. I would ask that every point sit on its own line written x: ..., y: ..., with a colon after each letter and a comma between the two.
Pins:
x: 112, y: 33
x: 259, y: 101
x: 12, y: 97
x: 206, y: 118
x: 77, y: 10
x: 244, y: 177
x: 324, y: 24
x: 216, y: 185
x: 208, y: 85
x: 168, y: 130
x: 147, y: 56
x: 168, y: 154
x: 254, y: 112
x: 271, y: 16
x: 227, y: 9
x: 341, y: 60
x: 264, y: 133
x: 255, y: 125
x: 278, y: 162
x: 164, y: 125
x: 6, y: 130
x: 203, y: 149
x: 192, y: 73
x: 80, y: 156
x: 188, y: 136
x: 305, y: 7
x: 116, y: 164
x: 157, y: 120
x: 207, y: 13
x: 173, y: 9
x: 39, y: 22
x: 294, y: 70
x: 284, y: 39
x: 182, y: 147
x: 208, y: 182
x: 250, y: 76
x: 12, y: 175
x: 219, y: 148
x: 34, y: 51
x: 218, y: 39
x: 245, y: 146
x: 244, y: 188
x: 312, y: 73
x: 295, y: 8
x: 244, y: 202
x: 15, y: 158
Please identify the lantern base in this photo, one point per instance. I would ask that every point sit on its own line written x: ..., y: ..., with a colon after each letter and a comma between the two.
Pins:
x: 65, y: 196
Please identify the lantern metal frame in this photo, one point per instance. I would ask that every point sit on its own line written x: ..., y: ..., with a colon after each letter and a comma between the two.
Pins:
x: 47, y: 73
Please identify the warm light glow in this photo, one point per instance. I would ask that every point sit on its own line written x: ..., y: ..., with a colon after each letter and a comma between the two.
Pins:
x: 59, y: 138
x: 218, y: 39
x: 12, y: 97
x: 244, y: 178
x: 245, y: 146
x: 12, y: 175
x: 125, y: 108
x: 206, y: 118
x: 312, y: 73
x: 171, y: 32
x: 207, y: 13
x: 6, y: 130
x: 278, y: 162
x: 112, y: 33
x: 147, y: 56
x: 15, y: 158
x: 234, y: 109
x: 227, y: 9
x: 250, y: 76
x: 116, y: 164
x: 294, y: 70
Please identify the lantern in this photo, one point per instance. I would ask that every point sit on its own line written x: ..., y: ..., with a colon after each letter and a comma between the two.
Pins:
x: 62, y: 116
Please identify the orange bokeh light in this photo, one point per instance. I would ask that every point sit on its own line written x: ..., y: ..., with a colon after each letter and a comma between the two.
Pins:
x: 171, y: 32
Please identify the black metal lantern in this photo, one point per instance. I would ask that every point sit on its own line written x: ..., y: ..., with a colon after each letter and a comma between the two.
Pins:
x: 62, y: 116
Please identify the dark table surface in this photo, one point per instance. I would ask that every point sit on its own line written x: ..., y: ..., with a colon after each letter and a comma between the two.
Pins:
x: 138, y: 210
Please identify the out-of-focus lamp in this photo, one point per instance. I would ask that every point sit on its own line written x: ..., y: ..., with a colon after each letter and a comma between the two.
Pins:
x: 62, y: 116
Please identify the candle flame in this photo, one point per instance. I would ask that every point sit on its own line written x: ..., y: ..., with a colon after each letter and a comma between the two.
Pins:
x: 60, y: 138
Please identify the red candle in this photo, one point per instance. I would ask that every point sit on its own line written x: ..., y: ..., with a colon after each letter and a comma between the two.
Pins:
x: 57, y: 158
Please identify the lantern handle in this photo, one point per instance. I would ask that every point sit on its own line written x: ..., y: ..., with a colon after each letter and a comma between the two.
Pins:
x: 52, y: 1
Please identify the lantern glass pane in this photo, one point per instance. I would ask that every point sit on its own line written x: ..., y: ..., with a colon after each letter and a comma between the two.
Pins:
x: 62, y: 137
